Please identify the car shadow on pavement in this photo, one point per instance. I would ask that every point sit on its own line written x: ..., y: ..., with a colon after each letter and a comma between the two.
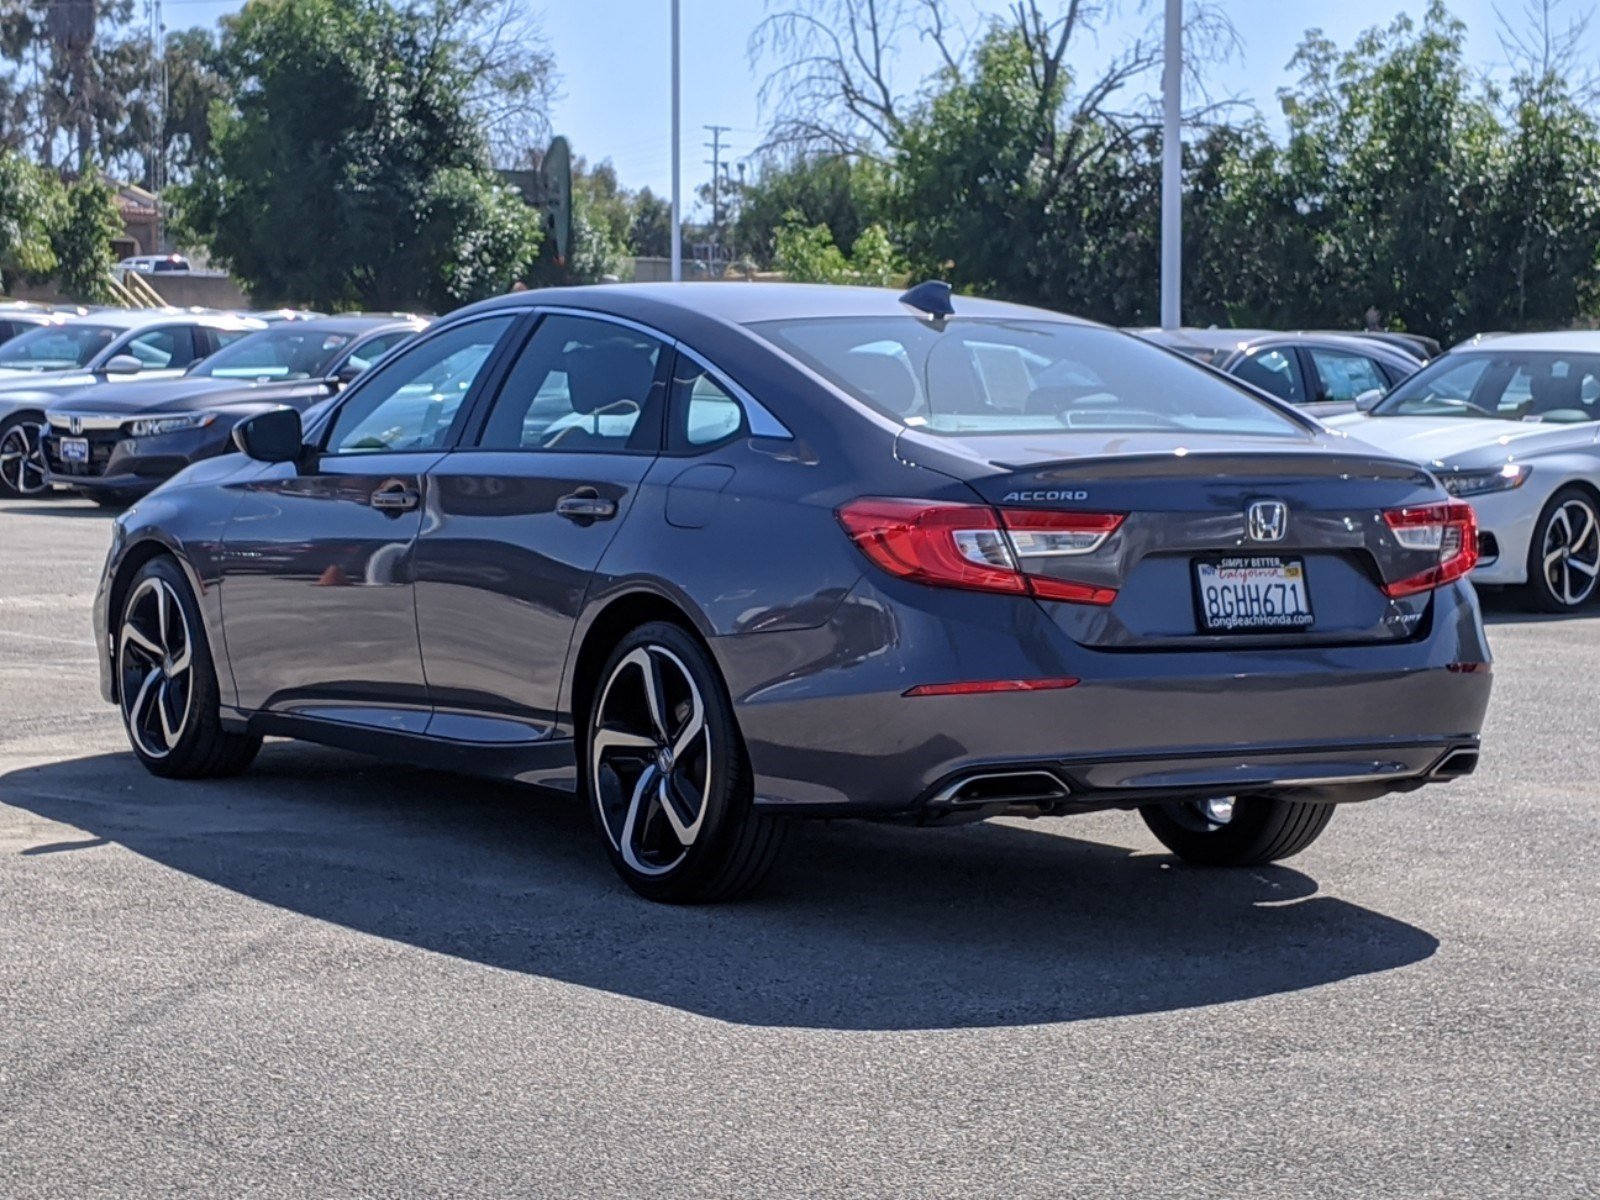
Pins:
x: 59, y: 509
x: 866, y: 927
x: 1502, y: 607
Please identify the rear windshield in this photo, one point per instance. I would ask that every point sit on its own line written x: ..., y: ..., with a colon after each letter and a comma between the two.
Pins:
x: 1002, y: 376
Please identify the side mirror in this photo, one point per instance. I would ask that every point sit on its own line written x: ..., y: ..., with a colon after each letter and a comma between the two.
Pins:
x: 273, y: 436
x: 1368, y: 400
x: 123, y: 364
x: 347, y: 374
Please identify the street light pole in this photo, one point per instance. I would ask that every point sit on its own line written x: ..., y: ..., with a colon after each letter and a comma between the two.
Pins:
x: 677, y: 221
x: 1172, y: 171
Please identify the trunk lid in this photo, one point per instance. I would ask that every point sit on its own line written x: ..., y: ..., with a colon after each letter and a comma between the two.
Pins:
x: 1186, y: 540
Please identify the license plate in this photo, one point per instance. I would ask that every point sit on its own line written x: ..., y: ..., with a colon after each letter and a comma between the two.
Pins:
x: 75, y: 450
x: 1252, y: 593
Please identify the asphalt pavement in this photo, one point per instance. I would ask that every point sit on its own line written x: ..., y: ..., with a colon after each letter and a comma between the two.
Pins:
x: 338, y: 977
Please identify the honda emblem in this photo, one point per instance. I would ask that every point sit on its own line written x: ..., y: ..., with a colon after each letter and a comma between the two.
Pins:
x: 1267, y: 520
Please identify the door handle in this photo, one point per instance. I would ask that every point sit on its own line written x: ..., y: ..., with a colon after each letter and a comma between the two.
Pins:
x: 394, y: 497
x: 586, y: 504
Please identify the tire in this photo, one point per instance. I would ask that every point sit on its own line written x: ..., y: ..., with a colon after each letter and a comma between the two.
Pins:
x: 22, y: 464
x: 672, y: 796
x: 167, y: 683
x: 1564, y: 556
x: 1246, y: 832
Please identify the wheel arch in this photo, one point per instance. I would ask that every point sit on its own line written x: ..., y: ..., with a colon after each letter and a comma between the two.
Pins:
x: 609, y: 621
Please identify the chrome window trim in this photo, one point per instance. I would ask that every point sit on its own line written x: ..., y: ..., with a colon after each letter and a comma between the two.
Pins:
x: 758, y: 416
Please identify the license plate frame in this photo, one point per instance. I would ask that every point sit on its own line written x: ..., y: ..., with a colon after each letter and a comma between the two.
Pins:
x: 1268, y: 586
x: 74, y: 450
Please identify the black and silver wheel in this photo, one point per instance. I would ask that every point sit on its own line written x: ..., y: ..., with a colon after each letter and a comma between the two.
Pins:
x: 1564, y: 558
x: 22, y: 469
x: 1236, y: 831
x: 666, y: 774
x: 166, y: 684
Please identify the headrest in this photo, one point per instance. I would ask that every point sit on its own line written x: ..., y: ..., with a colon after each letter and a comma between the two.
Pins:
x: 602, y: 374
x: 1551, y: 392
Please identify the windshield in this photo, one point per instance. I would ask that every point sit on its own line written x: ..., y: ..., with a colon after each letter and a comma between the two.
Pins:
x: 1004, y: 376
x: 56, y: 347
x: 1506, y: 385
x: 286, y: 351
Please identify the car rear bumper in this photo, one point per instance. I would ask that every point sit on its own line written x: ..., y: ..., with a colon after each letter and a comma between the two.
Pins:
x: 829, y: 729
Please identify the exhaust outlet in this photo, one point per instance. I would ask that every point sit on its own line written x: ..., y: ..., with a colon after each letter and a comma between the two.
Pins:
x: 1455, y: 764
x: 1000, y: 787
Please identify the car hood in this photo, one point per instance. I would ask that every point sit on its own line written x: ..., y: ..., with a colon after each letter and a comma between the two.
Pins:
x: 1461, y: 441
x: 44, y: 380
x: 158, y: 395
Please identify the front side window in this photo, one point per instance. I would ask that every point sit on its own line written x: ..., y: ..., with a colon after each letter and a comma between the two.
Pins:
x: 579, y: 384
x: 1344, y: 376
x: 161, y: 349
x: 411, y: 402
x: 1526, y: 385
x: 57, y: 347
x: 981, y: 376
x: 1273, y: 371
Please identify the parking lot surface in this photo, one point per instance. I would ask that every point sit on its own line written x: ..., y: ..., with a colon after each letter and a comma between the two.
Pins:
x: 338, y: 977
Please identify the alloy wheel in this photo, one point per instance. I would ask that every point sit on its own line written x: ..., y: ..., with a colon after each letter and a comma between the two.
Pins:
x: 650, y: 760
x: 22, y: 459
x: 155, y: 660
x: 1571, y: 551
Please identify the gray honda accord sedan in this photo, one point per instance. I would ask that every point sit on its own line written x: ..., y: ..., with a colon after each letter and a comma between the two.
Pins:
x: 719, y: 556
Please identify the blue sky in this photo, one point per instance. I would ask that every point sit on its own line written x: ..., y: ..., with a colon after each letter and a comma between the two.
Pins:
x: 612, y: 55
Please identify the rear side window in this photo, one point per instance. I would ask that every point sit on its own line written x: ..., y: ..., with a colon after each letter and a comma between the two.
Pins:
x: 1345, y: 376
x: 975, y: 376
x: 704, y: 412
x: 582, y: 385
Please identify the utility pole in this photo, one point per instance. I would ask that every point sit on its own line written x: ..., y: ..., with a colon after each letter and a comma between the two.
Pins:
x: 677, y: 219
x: 1172, y: 171
x: 715, y: 146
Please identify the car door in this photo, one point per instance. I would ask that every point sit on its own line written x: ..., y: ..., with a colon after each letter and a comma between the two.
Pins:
x: 318, y: 608
x: 519, y: 516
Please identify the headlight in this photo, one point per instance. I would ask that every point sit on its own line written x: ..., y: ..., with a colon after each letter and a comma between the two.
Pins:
x: 154, y: 426
x: 1476, y: 483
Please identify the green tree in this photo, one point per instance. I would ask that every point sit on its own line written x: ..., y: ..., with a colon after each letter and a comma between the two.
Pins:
x: 29, y: 199
x: 807, y: 253
x: 347, y: 169
x: 845, y: 194
x: 88, y: 220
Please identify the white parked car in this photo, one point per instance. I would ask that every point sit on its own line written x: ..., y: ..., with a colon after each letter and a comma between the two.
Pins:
x: 156, y: 264
x: 1512, y: 425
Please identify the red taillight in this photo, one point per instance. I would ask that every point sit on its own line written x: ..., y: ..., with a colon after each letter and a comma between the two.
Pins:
x: 976, y: 687
x: 1449, y: 529
x: 976, y: 547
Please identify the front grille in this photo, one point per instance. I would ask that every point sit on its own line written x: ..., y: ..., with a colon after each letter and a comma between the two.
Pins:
x: 100, y: 448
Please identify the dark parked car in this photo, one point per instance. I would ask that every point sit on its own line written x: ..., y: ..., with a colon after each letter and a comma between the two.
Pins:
x: 39, y: 367
x: 115, y: 442
x: 720, y: 556
x: 1325, y: 373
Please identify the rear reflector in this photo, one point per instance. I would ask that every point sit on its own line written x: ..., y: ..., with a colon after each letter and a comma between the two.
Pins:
x: 976, y: 547
x: 1469, y: 668
x: 981, y: 686
x: 1449, y: 530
